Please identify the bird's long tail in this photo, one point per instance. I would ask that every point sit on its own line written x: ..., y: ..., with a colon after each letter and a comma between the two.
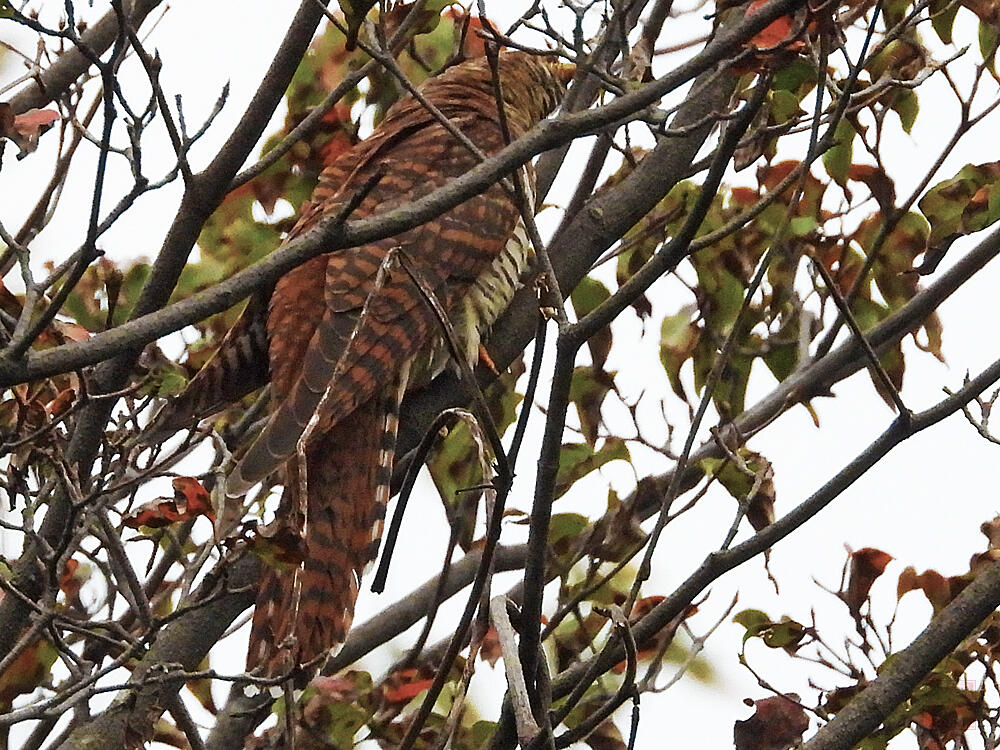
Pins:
x: 238, y: 367
x: 303, y: 611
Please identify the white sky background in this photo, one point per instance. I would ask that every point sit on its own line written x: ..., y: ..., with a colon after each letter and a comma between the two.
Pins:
x: 923, y: 503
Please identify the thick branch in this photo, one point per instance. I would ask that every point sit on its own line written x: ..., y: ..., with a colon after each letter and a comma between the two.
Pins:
x: 54, y: 81
x: 719, y: 563
x: 897, y: 681
x: 195, y: 208
x: 604, y: 224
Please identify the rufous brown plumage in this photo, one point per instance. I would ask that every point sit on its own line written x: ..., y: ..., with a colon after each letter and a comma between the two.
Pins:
x: 346, y: 333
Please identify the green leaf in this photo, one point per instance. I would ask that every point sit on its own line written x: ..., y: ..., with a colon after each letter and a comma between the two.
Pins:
x: 576, y: 460
x: 783, y: 634
x: 895, y: 11
x: 480, y: 733
x: 643, y: 238
x: 785, y: 106
x: 457, y: 461
x: 354, y: 13
x: 837, y: 160
x: 678, y: 338
x: 988, y: 36
x: 588, y: 389
x: 564, y: 529
x: 878, y: 741
x: 169, y: 380
x: 966, y: 203
x: 802, y: 226
x: 754, y: 620
x: 737, y: 482
x: 725, y: 293
x: 587, y: 297
x: 943, y: 18
x: 782, y: 359
x: 730, y: 393
x: 751, y: 619
x: 906, y: 104
x: 868, y: 313
x: 798, y: 76
x: 340, y: 722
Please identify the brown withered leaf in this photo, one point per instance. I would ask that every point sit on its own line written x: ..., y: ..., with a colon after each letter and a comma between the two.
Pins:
x: 987, y: 10
x: 606, y: 737
x: 878, y: 182
x: 659, y: 641
x: 935, y: 586
x: 618, y: 531
x: 777, y: 724
x: 866, y: 565
x: 25, y: 129
x: 190, y: 500
x: 991, y: 529
x: 489, y: 649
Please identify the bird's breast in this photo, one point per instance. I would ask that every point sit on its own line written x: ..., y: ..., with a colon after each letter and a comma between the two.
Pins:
x: 474, y: 311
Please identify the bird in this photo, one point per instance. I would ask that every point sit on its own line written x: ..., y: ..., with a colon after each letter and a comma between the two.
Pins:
x: 341, y: 338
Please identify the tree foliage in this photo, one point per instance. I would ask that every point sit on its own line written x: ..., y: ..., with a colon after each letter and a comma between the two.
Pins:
x: 730, y: 233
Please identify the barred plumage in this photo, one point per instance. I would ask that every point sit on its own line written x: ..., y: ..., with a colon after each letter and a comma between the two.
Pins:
x: 349, y: 332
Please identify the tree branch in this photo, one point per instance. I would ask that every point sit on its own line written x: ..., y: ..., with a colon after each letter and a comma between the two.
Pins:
x: 894, y: 684
x: 719, y: 563
x: 71, y: 64
x: 591, y: 229
x: 195, y: 208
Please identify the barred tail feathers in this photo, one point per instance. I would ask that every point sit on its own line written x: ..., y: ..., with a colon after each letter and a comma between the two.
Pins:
x: 238, y: 368
x: 305, y: 612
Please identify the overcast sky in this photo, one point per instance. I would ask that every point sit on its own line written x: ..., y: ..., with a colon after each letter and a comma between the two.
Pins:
x: 923, y: 504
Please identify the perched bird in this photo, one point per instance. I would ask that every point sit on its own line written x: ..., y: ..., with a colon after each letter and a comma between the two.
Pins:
x: 342, y: 336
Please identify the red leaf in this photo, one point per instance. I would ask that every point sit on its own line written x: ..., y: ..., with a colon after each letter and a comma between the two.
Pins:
x: 744, y: 196
x: 404, y: 685
x: 24, y: 129
x: 867, y: 565
x: 34, y: 120
x: 773, y: 34
x: 777, y: 724
x: 197, y: 501
x: 58, y: 406
x: 71, y: 581
x: 190, y: 501
x: 24, y: 674
x: 771, y: 175
x: 474, y: 45
x: 489, y: 650
x: 335, y: 687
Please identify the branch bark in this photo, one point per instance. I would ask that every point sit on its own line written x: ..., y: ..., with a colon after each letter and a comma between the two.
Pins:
x: 592, y: 227
x: 897, y: 680
x: 196, y: 206
x: 55, y: 80
x: 232, y: 588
